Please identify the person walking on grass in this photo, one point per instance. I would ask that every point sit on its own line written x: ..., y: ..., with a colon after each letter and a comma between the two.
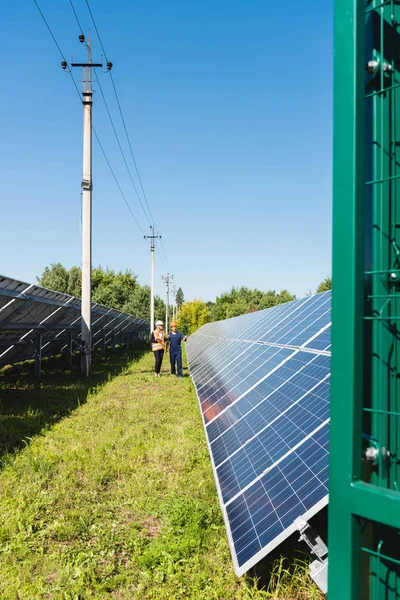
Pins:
x: 175, y: 351
x: 158, y: 339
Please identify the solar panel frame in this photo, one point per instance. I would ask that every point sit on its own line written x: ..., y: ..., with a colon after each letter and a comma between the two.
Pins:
x: 28, y: 309
x: 311, y: 342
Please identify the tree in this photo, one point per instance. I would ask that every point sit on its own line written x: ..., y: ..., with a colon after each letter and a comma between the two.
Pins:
x: 179, y: 298
x: 159, y: 309
x: 55, y: 278
x: 139, y: 304
x: 192, y: 316
x: 244, y: 300
x: 119, y: 290
x: 325, y: 285
x: 75, y: 281
x: 113, y: 289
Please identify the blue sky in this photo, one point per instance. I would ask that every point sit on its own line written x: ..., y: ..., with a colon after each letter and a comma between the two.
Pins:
x: 228, y: 105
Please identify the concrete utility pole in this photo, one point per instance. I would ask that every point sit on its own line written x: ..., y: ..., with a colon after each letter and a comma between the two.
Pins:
x: 86, y: 303
x: 174, y: 304
x: 166, y: 280
x: 152, y: 248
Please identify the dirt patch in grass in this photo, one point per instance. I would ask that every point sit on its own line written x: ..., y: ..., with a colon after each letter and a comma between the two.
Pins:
x: 151, y: 526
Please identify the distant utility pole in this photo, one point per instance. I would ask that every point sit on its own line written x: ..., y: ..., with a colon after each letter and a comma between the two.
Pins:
x: 152, y: 247
x: 166, y: 280
x: 86, y: 303
x: 174, y: 304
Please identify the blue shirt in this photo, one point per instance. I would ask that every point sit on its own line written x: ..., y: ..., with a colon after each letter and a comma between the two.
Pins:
x: 175, y: 340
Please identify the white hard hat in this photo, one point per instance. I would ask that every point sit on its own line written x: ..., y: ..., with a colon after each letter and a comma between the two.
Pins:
x: 159, y: 323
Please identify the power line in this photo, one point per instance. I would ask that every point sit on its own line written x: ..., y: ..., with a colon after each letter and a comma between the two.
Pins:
x: 165, y: 264
x: 162, y: 262
x: 165, y: 256
x: 121, y: 114
x: 50, y: 31
x: 116, y: 181
x: 109, y: 164
x: 121, y: 149
x: 76, y: 16
x: 94, y: 130
x: 128, y: 140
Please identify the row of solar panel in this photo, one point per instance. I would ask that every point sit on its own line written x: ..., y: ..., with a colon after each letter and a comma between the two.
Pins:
x: 27, y: 310
x: 262, y: 381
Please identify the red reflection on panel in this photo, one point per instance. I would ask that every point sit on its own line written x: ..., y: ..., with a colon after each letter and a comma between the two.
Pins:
x: 212, y: 410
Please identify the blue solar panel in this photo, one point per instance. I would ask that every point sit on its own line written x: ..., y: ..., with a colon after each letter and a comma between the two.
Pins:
x: 262, y: 381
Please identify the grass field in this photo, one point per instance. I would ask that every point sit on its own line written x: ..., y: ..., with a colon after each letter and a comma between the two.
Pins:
x: 106, y: 491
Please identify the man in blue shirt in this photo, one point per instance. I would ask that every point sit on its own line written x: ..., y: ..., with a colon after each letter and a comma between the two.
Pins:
x: 175, y: 351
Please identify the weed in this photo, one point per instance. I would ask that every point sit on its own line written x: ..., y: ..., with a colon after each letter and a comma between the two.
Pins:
x: 112, y: 495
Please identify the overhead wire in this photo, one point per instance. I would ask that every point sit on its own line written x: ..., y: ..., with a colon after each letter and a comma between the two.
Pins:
x: 164, y: 260
x: 120, y: 147
x: 48, y: 27
x: 116, y: 181
x: 121, y: 114
x: 76, y: 16
x: 165, y: 256
x: 79, y: 95
x: 114, y: 130
x: 165, y: 264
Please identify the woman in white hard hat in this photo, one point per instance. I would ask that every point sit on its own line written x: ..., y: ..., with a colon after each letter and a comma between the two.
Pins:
x: 158, y: 339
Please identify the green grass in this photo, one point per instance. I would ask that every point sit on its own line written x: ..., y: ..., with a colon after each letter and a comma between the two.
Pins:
x: 113, y: 497
x: 27, y: 406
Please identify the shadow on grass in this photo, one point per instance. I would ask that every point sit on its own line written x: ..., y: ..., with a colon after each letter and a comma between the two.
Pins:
x: 29, y: 406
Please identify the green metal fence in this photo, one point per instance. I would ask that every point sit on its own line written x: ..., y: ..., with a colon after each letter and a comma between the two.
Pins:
x: 364, y: 509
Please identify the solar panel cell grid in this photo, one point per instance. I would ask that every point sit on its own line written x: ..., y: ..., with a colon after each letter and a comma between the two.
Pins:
x: 263, y: 385
x: 266, y: 413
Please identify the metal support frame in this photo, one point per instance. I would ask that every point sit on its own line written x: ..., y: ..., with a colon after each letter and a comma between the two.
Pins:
x: 364, y: 499
x: 40, y: 326
x: 24, y: 314
x: 103, y: 342
x: 38, y: 355
x: 69, y: 351
x: 319, y: 567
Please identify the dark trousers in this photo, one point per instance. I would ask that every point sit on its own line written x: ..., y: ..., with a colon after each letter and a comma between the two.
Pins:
x: 158, y: 355
x: 176, y: 360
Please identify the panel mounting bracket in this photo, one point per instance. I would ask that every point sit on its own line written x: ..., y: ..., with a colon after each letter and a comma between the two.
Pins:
x: 318, y: 568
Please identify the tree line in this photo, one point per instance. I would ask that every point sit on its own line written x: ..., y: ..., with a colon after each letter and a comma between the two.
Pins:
x: 239, y: 301
x: 115, y: 289
x: 122, y: 290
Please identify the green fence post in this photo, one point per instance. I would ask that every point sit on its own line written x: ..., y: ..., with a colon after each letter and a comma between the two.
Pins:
x: 347, y: 302
x: 364, y: 504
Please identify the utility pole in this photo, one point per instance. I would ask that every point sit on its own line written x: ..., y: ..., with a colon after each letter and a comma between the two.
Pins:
x: 152, y: 248
x: 86, y: 302
x: 174, y: 304
x: 166, y: 280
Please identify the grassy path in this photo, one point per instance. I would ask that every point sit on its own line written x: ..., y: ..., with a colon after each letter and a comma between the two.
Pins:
x: 117, y: 500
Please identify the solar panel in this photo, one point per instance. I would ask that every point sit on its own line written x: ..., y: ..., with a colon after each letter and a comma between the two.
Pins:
x: 27, y: 310
x: 262, y: 381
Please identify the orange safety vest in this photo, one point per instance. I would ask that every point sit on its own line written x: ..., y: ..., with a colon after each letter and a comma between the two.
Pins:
x: 160, y: 343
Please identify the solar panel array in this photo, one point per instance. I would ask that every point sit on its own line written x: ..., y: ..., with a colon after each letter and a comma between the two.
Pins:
x: 27, y: 309
x: 262, y: 380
